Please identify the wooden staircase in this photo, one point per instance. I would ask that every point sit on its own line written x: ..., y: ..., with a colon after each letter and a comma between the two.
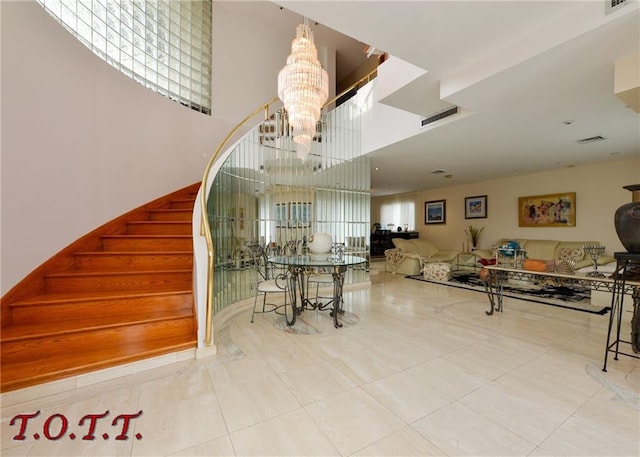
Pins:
x: 120, y: 294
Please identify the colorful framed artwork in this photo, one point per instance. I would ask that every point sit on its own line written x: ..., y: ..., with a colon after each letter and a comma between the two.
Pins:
x: 435, y: 212
x: 552, y: 210
x: 475, y: 207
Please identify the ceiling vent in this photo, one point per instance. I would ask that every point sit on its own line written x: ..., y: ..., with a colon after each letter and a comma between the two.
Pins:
x: 441, y: 115
x: 614, y: 5
x: 593, y: 139
x: 438, y: 172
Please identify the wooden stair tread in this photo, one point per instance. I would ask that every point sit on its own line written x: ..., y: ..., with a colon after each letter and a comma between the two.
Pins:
x: 159, y: 222
x: 133, y: 237
x: 92, y: 274
x: 132, y: 253
x: 65, y: 297
x: 37, y: 330
x: 28, y: 373
x: 160, y: 210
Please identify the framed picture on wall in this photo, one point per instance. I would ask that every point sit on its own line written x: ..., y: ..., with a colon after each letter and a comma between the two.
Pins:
x: 300, y: 214
x: 304, y: 214
x: 281, y: 215
x: 435, y: 212
x: 552, y: 210
x: 475, y: 207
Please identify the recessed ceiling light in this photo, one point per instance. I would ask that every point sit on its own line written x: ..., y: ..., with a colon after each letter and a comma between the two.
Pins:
x: 377, y: 168
x: 568, y: 122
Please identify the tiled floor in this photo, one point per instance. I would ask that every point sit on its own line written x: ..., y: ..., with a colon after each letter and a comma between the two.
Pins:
x: 418, y: 369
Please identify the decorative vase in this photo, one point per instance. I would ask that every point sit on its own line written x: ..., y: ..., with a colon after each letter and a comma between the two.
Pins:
x: 627, y: 221
x: 319, y: 243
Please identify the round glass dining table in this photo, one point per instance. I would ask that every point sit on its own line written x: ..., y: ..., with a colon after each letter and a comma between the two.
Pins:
x: 301, y: 266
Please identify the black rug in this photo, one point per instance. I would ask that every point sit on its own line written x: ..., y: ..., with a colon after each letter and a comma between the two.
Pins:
x: 575, y: 297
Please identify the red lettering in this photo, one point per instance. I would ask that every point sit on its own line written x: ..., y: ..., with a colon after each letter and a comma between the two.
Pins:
x: 23, y: 425
x: 63, y: 428
x: 125, y: 425
x: 93, y: 418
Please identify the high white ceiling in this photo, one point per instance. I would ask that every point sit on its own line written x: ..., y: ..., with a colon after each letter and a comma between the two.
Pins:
x: 520, y: 68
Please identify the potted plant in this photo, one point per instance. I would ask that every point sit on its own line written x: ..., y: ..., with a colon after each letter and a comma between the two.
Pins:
x: 473, y: 233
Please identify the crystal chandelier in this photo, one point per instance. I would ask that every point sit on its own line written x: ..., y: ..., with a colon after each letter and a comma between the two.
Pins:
x: 303, y: 87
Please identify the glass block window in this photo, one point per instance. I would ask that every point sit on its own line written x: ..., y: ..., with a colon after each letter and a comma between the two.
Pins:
x: 165, y: 45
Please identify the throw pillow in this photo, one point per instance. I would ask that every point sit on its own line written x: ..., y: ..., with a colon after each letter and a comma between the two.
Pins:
x: 485, y: 262
x: 570, y: 254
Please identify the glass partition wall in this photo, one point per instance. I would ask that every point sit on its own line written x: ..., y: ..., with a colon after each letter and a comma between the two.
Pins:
x: 264, y: 194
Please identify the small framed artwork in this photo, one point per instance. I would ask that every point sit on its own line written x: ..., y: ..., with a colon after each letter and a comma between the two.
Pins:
x: 475, y: 207
x: 552, y: 210
x: 304, y: 215
x: 435, y: 212
x: 300, y: 214
x: 281, y: 215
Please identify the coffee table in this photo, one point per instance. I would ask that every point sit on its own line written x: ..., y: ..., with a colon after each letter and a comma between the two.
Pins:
x: 620, y: 285
x: 466, y: 261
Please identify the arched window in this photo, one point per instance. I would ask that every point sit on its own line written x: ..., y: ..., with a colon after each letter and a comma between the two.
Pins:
x: 165, y: 45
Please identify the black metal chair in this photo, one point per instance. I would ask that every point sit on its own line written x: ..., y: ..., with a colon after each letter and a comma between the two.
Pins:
x: 291, y: 247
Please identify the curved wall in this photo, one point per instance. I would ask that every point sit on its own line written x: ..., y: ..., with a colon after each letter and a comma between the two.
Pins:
x: 82, y: 143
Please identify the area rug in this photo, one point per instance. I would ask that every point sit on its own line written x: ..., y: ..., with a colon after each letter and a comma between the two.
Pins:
x: 574, y: 297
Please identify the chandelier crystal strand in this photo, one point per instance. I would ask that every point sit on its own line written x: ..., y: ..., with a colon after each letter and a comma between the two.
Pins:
x: 303, y: 87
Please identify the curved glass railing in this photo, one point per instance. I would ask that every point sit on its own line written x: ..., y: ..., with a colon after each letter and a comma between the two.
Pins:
x: 260, y: 192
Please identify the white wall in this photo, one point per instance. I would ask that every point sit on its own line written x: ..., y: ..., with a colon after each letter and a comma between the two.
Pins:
x: 82, y: 143
x: 598, y: 191
x: 247, y: 58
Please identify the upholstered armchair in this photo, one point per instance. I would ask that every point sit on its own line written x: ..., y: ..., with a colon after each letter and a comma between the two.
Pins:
x: 409, y: 256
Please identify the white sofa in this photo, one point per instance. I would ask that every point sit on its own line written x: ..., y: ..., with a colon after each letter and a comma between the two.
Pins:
x: 406, y: 257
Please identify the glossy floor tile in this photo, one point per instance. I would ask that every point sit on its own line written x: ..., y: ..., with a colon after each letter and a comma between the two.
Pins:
x: 418, y: 369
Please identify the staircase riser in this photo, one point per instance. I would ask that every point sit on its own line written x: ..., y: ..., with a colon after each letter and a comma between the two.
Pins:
x: 35, y: 374
x: 179, y: 215
x: 134, y: 308
x: 134, y: 262
x: 182, y: 204
x: 151, y: 282
x: 134, y: 337
x: 159, y: 228
x: 147, y: 244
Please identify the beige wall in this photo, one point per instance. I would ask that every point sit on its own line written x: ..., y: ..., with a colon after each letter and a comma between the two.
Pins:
x: 598, y: 191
